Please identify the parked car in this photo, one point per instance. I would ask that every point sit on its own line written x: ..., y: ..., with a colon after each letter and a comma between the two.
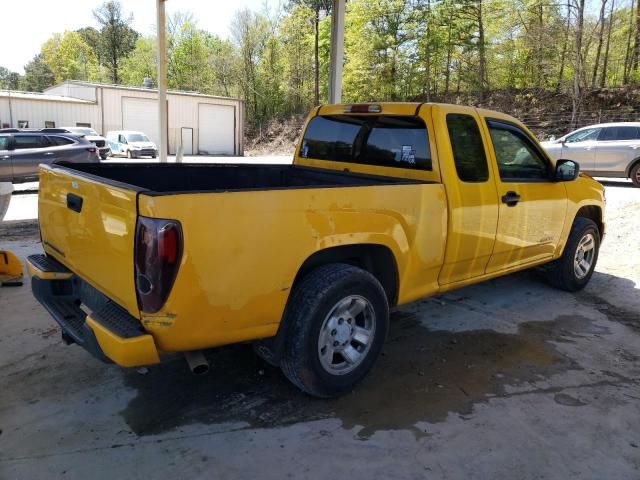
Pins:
x: 94, y: 137
x: 131, y: 144
x: 383, y: 205
x: 603, y: 150
x: 21, y: 151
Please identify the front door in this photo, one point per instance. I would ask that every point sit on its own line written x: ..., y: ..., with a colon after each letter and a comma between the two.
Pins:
x: 471, y: 194
x: 6, y: 171
x: 532, y: 206
x: 581, y: 147
x: 29, y: 151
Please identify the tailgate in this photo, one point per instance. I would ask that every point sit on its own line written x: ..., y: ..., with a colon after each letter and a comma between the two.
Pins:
x: 89, y: 226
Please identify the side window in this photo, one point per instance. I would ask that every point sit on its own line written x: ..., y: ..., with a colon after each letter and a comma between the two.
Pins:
x: 468, y: 150
x: 584, y: 135
x: 517, y: 157
x: 388, y: 141
x: 621, y: 133
x: 58, y: 141
x: 4, y: 143
x: 121, y: 139
x: 29, y: 141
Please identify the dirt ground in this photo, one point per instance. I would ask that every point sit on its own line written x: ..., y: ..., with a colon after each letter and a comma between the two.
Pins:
x: 509, y: 379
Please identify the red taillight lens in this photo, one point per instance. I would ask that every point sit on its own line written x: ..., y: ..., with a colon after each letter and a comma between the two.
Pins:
x: 91, y: 150
x: 158, y: 253
x: 363, y: 108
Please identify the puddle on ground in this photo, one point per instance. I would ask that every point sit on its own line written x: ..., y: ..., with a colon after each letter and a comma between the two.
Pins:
x: 421, y: 376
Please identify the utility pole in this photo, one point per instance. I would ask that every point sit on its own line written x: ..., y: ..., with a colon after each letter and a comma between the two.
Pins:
x: 337, y: 51
x: 162, y: 81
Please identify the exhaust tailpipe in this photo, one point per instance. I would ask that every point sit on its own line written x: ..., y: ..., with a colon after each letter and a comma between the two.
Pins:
x: 197, y: 362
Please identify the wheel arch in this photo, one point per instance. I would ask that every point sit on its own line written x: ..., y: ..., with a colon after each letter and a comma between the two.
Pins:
x: 592, y: 212
x: 376, y: 259
x: 632, y: 164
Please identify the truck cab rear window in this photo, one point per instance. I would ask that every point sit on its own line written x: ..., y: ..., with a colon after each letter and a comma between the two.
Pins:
x: 383, y: 140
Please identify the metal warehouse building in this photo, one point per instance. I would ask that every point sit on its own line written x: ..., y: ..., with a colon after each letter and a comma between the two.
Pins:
x: 204, y: 123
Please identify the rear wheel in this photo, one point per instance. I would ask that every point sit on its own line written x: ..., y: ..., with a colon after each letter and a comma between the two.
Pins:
x: 635, y: 174
x: 338, y: 317
x: 573, y: 270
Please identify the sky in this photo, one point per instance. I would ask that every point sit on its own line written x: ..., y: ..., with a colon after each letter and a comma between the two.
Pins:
x: 27, y: 24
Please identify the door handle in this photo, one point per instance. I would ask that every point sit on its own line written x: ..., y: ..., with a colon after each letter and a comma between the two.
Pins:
x: 5, y: 157
x: 74, y: 202
x: 511, y: 198
x: 48, y: 154
x: 635, y: 147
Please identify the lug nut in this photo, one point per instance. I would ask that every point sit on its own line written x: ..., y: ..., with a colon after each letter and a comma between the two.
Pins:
x: 335, y: 343
x: 333, y: 332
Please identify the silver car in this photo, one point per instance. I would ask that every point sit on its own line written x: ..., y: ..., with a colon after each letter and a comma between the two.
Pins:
x: 604, y: 150
x: 22, y: 151
x: 94, y: 137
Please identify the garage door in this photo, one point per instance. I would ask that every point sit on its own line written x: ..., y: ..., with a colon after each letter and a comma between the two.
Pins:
x: 141, y: 114
x: 216, y: 124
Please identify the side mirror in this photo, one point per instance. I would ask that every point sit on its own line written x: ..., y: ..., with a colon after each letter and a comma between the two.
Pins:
x: 566, y: 170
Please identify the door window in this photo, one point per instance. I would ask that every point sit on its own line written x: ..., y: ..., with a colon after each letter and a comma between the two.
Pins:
x: 21, y: 142
x: 583, y: 135
x: 58, y: 141
x: 619, y: 134
x: 121, y: 139
x: 518, y: 158
x: 468, y: 150
x: 4, y: 143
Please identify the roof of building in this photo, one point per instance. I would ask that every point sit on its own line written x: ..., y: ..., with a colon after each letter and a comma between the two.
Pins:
x: 139, y: 89
x: 40, y: 96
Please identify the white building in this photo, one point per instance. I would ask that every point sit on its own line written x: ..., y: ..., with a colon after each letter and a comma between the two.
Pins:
x: 204, y: 123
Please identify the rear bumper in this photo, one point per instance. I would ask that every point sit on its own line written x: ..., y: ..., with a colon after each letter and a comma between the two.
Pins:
x: 108, y: 332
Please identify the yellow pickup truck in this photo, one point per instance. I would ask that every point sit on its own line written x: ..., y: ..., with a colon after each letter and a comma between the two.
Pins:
x: 384, y: 204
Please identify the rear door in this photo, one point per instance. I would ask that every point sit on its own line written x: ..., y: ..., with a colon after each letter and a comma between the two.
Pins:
x: 532, y: 206
x: 28, y: 151
x: 6, y: 171
x: 471, y: 194
x: 617, y: 147
x: 89, y: 226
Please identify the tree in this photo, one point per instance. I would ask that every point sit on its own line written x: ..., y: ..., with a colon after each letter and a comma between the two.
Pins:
x: 579, y: 65
x: 37, y: 75
x: 141, y: 63
x: 69, y: 57
x: 9, y: 80
x: 117, y: 38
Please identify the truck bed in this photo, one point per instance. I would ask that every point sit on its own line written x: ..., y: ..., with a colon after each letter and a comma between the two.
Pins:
x: 199, y: 178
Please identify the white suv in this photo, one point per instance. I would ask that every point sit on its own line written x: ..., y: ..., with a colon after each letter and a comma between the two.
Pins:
x: 604, y: 150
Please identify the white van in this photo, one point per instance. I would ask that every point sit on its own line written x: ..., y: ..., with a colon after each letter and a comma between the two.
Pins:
x: 131, y: 144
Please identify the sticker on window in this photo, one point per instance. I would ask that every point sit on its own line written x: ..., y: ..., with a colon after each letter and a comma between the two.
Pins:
x: 408, y: 154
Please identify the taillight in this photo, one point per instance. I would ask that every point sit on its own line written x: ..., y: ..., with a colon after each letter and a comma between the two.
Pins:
x: 363, y: 108
x: 91, y: 150
x: 158, y: 252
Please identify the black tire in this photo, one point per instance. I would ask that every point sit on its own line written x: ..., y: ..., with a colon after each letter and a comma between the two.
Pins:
x: 561, y: 273
x: 635, y: 175
x: 129, y: 154
x: 103, y: 157
x: 312, y: 301
x: 153, y: 156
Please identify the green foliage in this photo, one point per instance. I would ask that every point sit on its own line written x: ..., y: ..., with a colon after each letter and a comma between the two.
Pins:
x: 69, y: 57
x: 37, y: 75
x: 116, y: 38
x: 9, y: 80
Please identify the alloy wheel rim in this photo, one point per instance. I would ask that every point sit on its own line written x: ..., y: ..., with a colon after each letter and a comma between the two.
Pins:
x: 585, y: 253
x: 346, y: 335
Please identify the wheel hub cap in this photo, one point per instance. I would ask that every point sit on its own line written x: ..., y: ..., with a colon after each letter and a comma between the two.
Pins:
x: 346, y: 335
x: 585, y: 254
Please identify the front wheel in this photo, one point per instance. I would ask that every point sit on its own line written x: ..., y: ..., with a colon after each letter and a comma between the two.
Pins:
x: 129, y: 154
x: 338, y: 318
x: 573, y: 270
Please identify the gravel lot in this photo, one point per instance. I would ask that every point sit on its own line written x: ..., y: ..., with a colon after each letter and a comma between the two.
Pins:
x: 509, y: 379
